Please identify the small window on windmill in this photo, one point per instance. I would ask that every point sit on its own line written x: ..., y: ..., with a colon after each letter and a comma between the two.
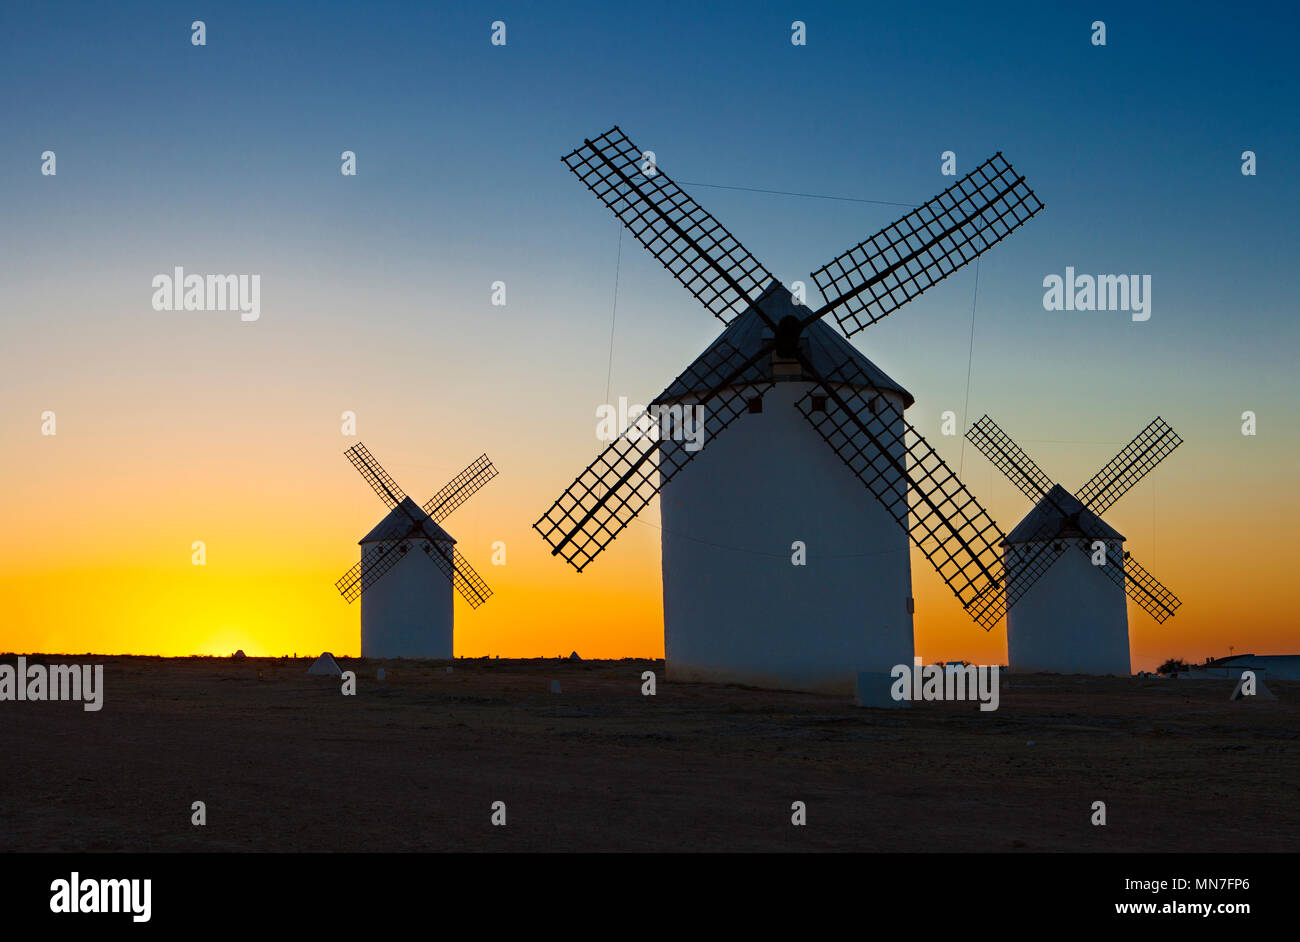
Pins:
x: 1058, y: 547
x: 874, y: 405
x: 819, y: 403
x: 756, y: 405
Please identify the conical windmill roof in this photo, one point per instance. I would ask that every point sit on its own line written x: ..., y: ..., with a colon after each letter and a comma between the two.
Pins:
x: 1044, y: 521
x: 399, y: 518
x: 830, y: 354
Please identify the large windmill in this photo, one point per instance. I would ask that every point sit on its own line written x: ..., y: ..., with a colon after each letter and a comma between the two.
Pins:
x: 409, y: 614
x: 1075, y: 620
x: 738, y: 606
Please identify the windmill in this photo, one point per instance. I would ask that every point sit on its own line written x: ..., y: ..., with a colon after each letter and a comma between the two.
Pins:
x: 738, y: 605
x: 1075, y: 620
x: 410, y: 613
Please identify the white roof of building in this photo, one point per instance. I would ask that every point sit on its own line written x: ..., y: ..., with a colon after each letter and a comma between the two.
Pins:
x: 402, y: 518
x: 1277, y: 658
x: 822, y: 344
x: 1044, y: 521
x: 1277, y: 666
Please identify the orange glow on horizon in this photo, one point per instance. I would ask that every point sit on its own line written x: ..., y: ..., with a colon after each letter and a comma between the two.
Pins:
x: 102, y: 520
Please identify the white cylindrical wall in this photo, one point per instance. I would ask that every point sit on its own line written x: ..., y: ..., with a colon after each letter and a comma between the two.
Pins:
x: 735, y: 607
x: 408, y: 611
x: 1073, y: 619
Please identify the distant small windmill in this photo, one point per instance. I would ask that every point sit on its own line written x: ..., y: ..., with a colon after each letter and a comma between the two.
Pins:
x: 737, y: 605
x: 1075, y: 621
x: 410, y: 614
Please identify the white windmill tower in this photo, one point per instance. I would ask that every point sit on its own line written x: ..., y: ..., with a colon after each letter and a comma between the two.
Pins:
x: 1075, y: 619
x: 737, y: 606
x: 409, y: 613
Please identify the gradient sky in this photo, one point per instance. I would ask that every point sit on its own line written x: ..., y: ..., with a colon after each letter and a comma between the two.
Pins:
x: 183, y: 426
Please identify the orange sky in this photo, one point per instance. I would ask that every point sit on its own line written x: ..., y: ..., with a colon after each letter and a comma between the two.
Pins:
x: 105, y: 521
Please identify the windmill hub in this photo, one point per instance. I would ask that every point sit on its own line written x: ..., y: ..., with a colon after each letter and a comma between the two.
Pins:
x: 788, y: 330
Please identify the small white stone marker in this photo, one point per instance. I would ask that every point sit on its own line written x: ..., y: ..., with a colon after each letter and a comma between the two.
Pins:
x: 379, y: 674
x: 449, y: 670
x: 555, y: 686
x: 1262, y: 692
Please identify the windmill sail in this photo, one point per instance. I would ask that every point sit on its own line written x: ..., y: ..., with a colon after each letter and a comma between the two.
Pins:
x: 460, y: 489
x: 916, y: 486
x: 375, y: 475
x: 881, y: 274
x: 862, y: 285
x: 696, y: 248
x: 627, y: 475
x: 1009, y: 458
x: 416, y: 528
x: 1134, y: 461
x: 1079, y: 514
x: 1148, y: 591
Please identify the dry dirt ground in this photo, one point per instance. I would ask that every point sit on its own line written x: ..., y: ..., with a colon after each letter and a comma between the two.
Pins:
x: 284, y: 762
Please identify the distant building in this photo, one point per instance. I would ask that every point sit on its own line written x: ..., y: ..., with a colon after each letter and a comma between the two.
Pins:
x: 1276, y: 666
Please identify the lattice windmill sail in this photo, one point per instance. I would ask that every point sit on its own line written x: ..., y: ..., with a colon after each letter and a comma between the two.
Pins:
x: 738, y: 605
x: 409, y: 565
x: 1065, y: 609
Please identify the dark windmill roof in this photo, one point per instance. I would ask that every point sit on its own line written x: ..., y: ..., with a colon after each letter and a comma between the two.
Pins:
x: 830, y: 354
x: 400, y: 521
x: 1044, y: 521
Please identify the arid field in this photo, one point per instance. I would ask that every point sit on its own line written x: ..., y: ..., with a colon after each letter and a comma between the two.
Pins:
x: 284, y: 762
